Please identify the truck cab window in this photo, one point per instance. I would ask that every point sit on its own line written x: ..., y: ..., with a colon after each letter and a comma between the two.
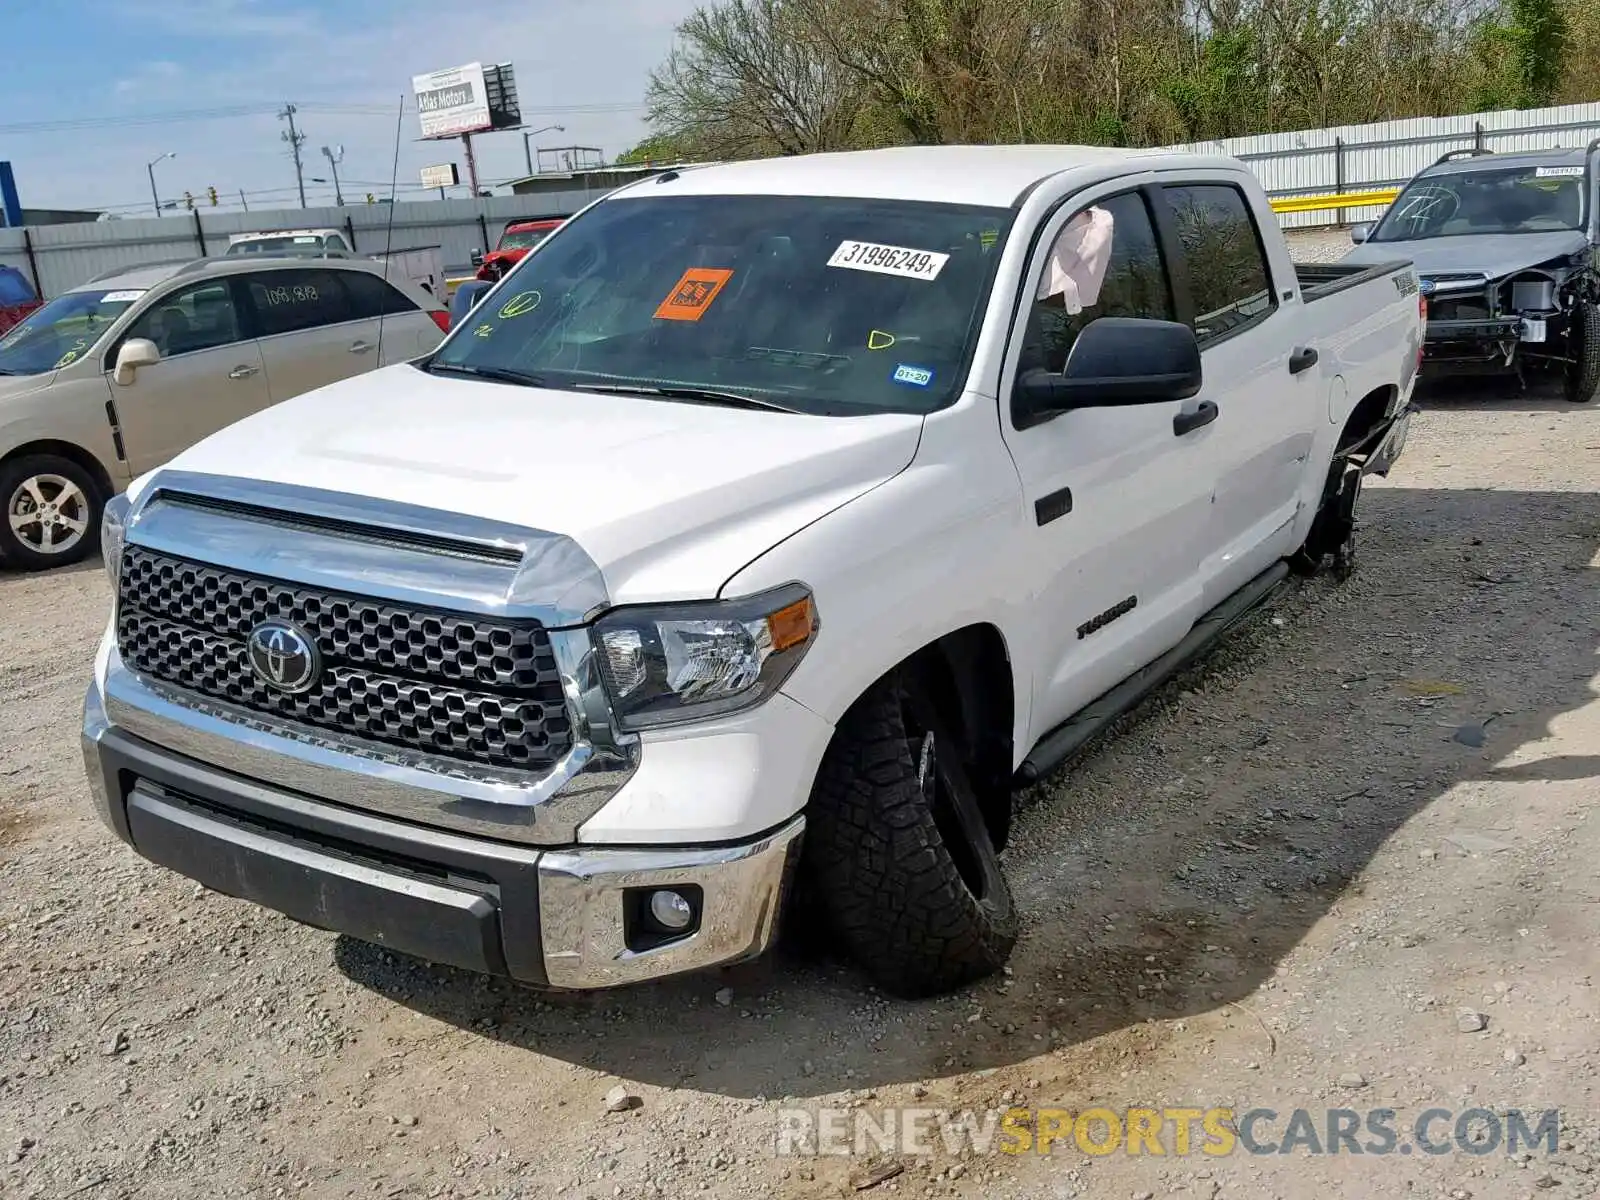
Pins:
x: 1222, y: 247
x: 1135, y: 285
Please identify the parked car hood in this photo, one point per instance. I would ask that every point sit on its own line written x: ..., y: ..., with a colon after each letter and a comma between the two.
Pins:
x: 1496, y: 255
x: 13, y: 386
x: 669, y: 499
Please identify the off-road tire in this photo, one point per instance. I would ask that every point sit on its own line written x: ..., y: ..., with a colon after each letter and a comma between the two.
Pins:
x: 884, y: 873
x: 17, y: 553
x: 1582, y: 380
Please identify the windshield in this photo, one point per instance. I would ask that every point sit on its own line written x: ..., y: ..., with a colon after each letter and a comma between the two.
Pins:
x: 524, y: 239
x: 825, y: 305
x: 1495, y: 200
x: 62, y: 332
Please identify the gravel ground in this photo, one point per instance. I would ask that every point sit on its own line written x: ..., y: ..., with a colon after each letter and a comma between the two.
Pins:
x: 1276, y: 887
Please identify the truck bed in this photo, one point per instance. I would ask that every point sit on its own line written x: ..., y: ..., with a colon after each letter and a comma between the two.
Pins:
x: 1320, y: 280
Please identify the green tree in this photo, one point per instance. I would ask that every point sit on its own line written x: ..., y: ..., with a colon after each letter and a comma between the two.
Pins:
x: 657, y: 148
x: 1520, y: 52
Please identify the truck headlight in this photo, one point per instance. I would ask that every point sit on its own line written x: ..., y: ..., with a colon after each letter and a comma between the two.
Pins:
x: 668, y: 663
x: 113, y: 532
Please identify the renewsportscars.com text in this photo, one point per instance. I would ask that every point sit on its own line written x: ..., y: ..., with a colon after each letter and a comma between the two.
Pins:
x: 1162, y: 1132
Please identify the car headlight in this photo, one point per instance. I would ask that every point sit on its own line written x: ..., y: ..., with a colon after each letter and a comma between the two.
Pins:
x: 668, y: 663
x: 113, y: 532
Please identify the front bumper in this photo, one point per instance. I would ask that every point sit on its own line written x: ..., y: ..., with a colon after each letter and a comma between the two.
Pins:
x: 567, y: 919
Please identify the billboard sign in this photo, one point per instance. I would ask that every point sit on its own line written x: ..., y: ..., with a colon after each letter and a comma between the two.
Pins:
x: 442, y: 176
x: 452, y: 102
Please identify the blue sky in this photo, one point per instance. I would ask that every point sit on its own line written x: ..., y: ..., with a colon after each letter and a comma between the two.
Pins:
x: 109, y: 74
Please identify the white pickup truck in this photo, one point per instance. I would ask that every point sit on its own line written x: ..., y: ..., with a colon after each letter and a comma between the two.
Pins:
x: 831, y: 496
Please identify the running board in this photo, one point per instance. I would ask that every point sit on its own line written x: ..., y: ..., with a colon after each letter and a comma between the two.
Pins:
x: 1061, y: 742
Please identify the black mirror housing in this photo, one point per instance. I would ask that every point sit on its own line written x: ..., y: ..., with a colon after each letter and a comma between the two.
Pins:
x: 1115, y: 361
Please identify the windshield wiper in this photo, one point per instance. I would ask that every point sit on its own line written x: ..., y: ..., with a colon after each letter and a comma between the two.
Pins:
x: 698, y: 394
x: 499, y: 374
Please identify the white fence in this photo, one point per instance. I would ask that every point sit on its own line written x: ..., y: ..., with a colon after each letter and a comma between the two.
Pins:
x: 1355, y: 158
x: 1314, y: 162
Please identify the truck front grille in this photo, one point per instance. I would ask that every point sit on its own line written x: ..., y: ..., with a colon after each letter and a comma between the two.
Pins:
x: 476, y: 689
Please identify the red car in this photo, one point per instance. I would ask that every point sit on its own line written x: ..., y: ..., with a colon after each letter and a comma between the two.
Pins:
x: 17, y: 297
x: 517, y: 240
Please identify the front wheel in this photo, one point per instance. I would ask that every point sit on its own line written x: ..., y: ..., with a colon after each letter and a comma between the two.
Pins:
x: 1582, y: 379
x: 51, y: 514
x: 898, y: 853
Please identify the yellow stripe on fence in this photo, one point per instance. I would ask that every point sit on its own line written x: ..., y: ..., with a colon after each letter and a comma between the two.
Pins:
x: 1300, y: 204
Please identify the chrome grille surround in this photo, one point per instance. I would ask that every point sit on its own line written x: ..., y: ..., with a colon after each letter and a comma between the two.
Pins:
x: 413, y: 747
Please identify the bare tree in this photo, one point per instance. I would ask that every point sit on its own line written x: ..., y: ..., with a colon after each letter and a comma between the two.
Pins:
x: 746, y: 79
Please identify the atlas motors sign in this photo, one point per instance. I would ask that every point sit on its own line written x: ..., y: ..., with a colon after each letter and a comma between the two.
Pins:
x: 452, y: 102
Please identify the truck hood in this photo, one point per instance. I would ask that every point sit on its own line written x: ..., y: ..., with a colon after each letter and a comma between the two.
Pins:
x: 1496, y: 256
x: 669, y: 499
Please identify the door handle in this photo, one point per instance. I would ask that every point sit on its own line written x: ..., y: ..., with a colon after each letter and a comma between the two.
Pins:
x: 1188, y: 422
x: 242, y: 372
x: 360, y: 347
x: 1302, y: 359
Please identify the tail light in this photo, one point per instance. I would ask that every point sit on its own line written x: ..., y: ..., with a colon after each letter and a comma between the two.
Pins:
x: 441, y: 319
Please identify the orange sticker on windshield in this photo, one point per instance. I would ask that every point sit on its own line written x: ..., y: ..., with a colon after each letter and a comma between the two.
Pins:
x: 693, y: 294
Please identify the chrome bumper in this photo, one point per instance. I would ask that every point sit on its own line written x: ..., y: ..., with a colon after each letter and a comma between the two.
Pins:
x: 567, y: 919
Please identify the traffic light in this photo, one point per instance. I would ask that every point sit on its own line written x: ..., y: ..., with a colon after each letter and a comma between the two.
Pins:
x: 370, y: 199
x: 211, y: 193
x: 188, y: 201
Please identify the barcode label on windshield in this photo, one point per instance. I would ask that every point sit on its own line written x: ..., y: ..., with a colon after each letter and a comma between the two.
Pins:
x: 1558, y: 173
x: 889, y: 260
x: 120, y: 297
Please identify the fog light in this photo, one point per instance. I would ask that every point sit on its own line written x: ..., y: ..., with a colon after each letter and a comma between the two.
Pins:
x: 670, y: 910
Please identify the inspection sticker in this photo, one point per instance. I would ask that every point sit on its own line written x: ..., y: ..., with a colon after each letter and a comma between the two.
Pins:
x: 1558, y: 173
x: 916, y: 376
x: 120, y: 297
x: 889, y: 260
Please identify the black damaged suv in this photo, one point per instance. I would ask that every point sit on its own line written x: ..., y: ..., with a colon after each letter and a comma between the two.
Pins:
x: 1506, y: 249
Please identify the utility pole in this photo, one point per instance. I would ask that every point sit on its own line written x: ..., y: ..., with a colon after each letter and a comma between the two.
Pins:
x: 243, y: 201
x: 295, y: 139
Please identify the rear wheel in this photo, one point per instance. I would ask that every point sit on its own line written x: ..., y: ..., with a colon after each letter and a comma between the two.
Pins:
x: 1582, y: 379
x: 898, y: 854
x: 51, y: 514
x: 1333, y: 531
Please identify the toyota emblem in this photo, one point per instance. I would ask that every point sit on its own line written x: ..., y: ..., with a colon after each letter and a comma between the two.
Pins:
x: 283, y: 656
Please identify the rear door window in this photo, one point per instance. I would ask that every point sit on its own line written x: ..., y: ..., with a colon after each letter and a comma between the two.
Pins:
x: 1228, y: 272
x: 293, y: 301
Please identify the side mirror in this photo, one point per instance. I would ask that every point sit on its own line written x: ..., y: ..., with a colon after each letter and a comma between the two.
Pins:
x: 467, y: 296
x: 1115, y: 361
x: 135, y: 353
x: 1360, y: 233
x: 477, y: 257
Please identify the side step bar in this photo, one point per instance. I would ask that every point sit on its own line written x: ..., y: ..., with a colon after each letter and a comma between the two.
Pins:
x: 1061, y: 742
